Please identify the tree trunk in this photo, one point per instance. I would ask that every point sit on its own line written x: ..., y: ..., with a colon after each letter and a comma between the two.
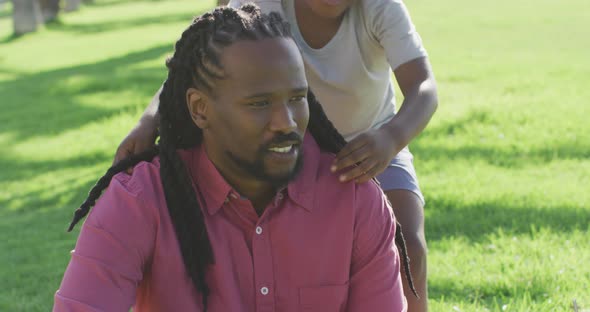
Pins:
x: 72, y: 5
x: 49, y: 9
x: 26, y: 15
x: 222, y: 2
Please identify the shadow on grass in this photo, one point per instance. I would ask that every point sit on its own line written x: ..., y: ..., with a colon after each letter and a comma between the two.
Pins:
x: 504, y: 157
x: 85, y: 28
x: 103, y: 3
x: 11, y: 38
x: 63, y: 198
x: 509, y: 156
x: 9, y: 71
x: 23, y: 169
x: 48, y: 103
x: 4, y: 13
x: 446, y: 218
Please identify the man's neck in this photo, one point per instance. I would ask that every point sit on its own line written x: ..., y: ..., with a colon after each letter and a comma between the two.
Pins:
x: 259, y: 193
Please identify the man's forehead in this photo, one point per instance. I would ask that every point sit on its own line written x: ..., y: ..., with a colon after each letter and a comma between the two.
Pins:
x: 268, y: 65
x: 249, y: 57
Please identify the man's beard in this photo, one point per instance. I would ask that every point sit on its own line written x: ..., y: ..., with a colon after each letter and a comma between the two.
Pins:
x: 256, y: 168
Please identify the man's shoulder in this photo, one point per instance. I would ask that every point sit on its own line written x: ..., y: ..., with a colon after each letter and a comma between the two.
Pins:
x: 364, y: 193
x: 143, y: 181
x: 130, y: 201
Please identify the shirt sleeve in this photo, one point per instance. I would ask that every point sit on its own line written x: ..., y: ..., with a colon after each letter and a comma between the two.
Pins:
x: 390, y: 24
x: 114, y: 246
x: 375, y: 283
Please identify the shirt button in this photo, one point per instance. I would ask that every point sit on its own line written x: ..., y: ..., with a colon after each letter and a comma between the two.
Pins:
x: 280, y: 196
x: 258, y: 230
x: 264, y: 291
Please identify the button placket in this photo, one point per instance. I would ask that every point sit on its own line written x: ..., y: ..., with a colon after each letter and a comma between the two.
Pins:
x: 263, y: 269
x: 278, y: 198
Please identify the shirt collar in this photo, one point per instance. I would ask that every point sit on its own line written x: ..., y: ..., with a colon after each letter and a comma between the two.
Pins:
x: 301, y: 189
x: 208, y: 183
x: 214, y: 190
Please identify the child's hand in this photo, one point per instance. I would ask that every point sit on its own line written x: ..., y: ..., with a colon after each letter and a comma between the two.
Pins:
x: 142, y: 137
x: 366, y: 155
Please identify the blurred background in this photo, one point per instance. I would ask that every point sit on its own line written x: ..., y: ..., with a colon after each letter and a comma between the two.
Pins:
x: 504, y: 164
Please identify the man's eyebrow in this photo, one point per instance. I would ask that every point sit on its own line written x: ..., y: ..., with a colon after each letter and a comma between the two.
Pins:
x: 267, y: 94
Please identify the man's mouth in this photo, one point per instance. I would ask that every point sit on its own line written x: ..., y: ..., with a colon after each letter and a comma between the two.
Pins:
x: 283, y: 149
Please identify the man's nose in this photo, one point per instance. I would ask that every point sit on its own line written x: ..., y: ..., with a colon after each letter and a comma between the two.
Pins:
x: 282, y: 118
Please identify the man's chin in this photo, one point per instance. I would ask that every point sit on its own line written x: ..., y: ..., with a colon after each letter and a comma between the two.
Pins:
x: 282, y: 176
x: 269, y: 170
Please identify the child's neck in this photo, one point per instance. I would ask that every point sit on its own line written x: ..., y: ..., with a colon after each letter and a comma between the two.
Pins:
x: 316, y: 30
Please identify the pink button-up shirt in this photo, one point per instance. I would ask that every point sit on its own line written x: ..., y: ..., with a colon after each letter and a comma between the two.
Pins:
x: 320, y: 245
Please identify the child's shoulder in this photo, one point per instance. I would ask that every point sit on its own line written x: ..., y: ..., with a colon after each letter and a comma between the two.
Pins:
x: 373, y: 8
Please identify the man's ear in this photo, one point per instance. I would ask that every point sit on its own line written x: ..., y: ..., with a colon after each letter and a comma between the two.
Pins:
x: 198, y: 104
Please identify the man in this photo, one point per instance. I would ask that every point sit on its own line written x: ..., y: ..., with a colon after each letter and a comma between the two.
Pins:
x: 239, y: 211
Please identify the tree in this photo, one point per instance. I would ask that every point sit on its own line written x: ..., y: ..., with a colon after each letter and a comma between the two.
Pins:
x: 49, y: 10
x: 72, y: 5
x: 26, y: 15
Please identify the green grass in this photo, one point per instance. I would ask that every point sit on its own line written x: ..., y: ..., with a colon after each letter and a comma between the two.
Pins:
x: 504, y: 165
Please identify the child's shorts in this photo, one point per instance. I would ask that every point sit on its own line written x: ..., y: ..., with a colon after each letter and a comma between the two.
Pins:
x: 400, y: 175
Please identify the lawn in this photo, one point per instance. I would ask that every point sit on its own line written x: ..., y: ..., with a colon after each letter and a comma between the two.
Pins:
x: 504, y: 165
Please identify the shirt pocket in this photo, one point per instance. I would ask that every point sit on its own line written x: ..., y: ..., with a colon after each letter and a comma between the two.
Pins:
x: 329, y: 298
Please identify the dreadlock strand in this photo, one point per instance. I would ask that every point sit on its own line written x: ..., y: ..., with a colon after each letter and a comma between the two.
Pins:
x: 322, y: 129
x: 400, y: 241
x: 195, y: 256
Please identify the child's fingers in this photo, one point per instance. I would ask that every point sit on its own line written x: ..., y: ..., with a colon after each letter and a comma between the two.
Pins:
x: 357, y: 172
x: 352, y: 146
x: 121, y: 153
x: 352, y: 159
x: 369, y: 174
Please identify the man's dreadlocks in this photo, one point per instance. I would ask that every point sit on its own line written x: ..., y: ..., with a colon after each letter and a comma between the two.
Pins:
x: 196, y: 63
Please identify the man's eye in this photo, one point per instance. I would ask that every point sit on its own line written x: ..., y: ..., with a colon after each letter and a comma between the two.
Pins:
x: 298, y: 98
x: 259, y: 104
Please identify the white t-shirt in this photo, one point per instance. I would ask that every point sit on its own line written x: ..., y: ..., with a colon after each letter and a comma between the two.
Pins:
x: 352, y: 75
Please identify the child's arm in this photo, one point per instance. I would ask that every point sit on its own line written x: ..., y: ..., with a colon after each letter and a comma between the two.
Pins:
x: 373, y: 150
x: 143, y: 135
x: 418, y: 86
